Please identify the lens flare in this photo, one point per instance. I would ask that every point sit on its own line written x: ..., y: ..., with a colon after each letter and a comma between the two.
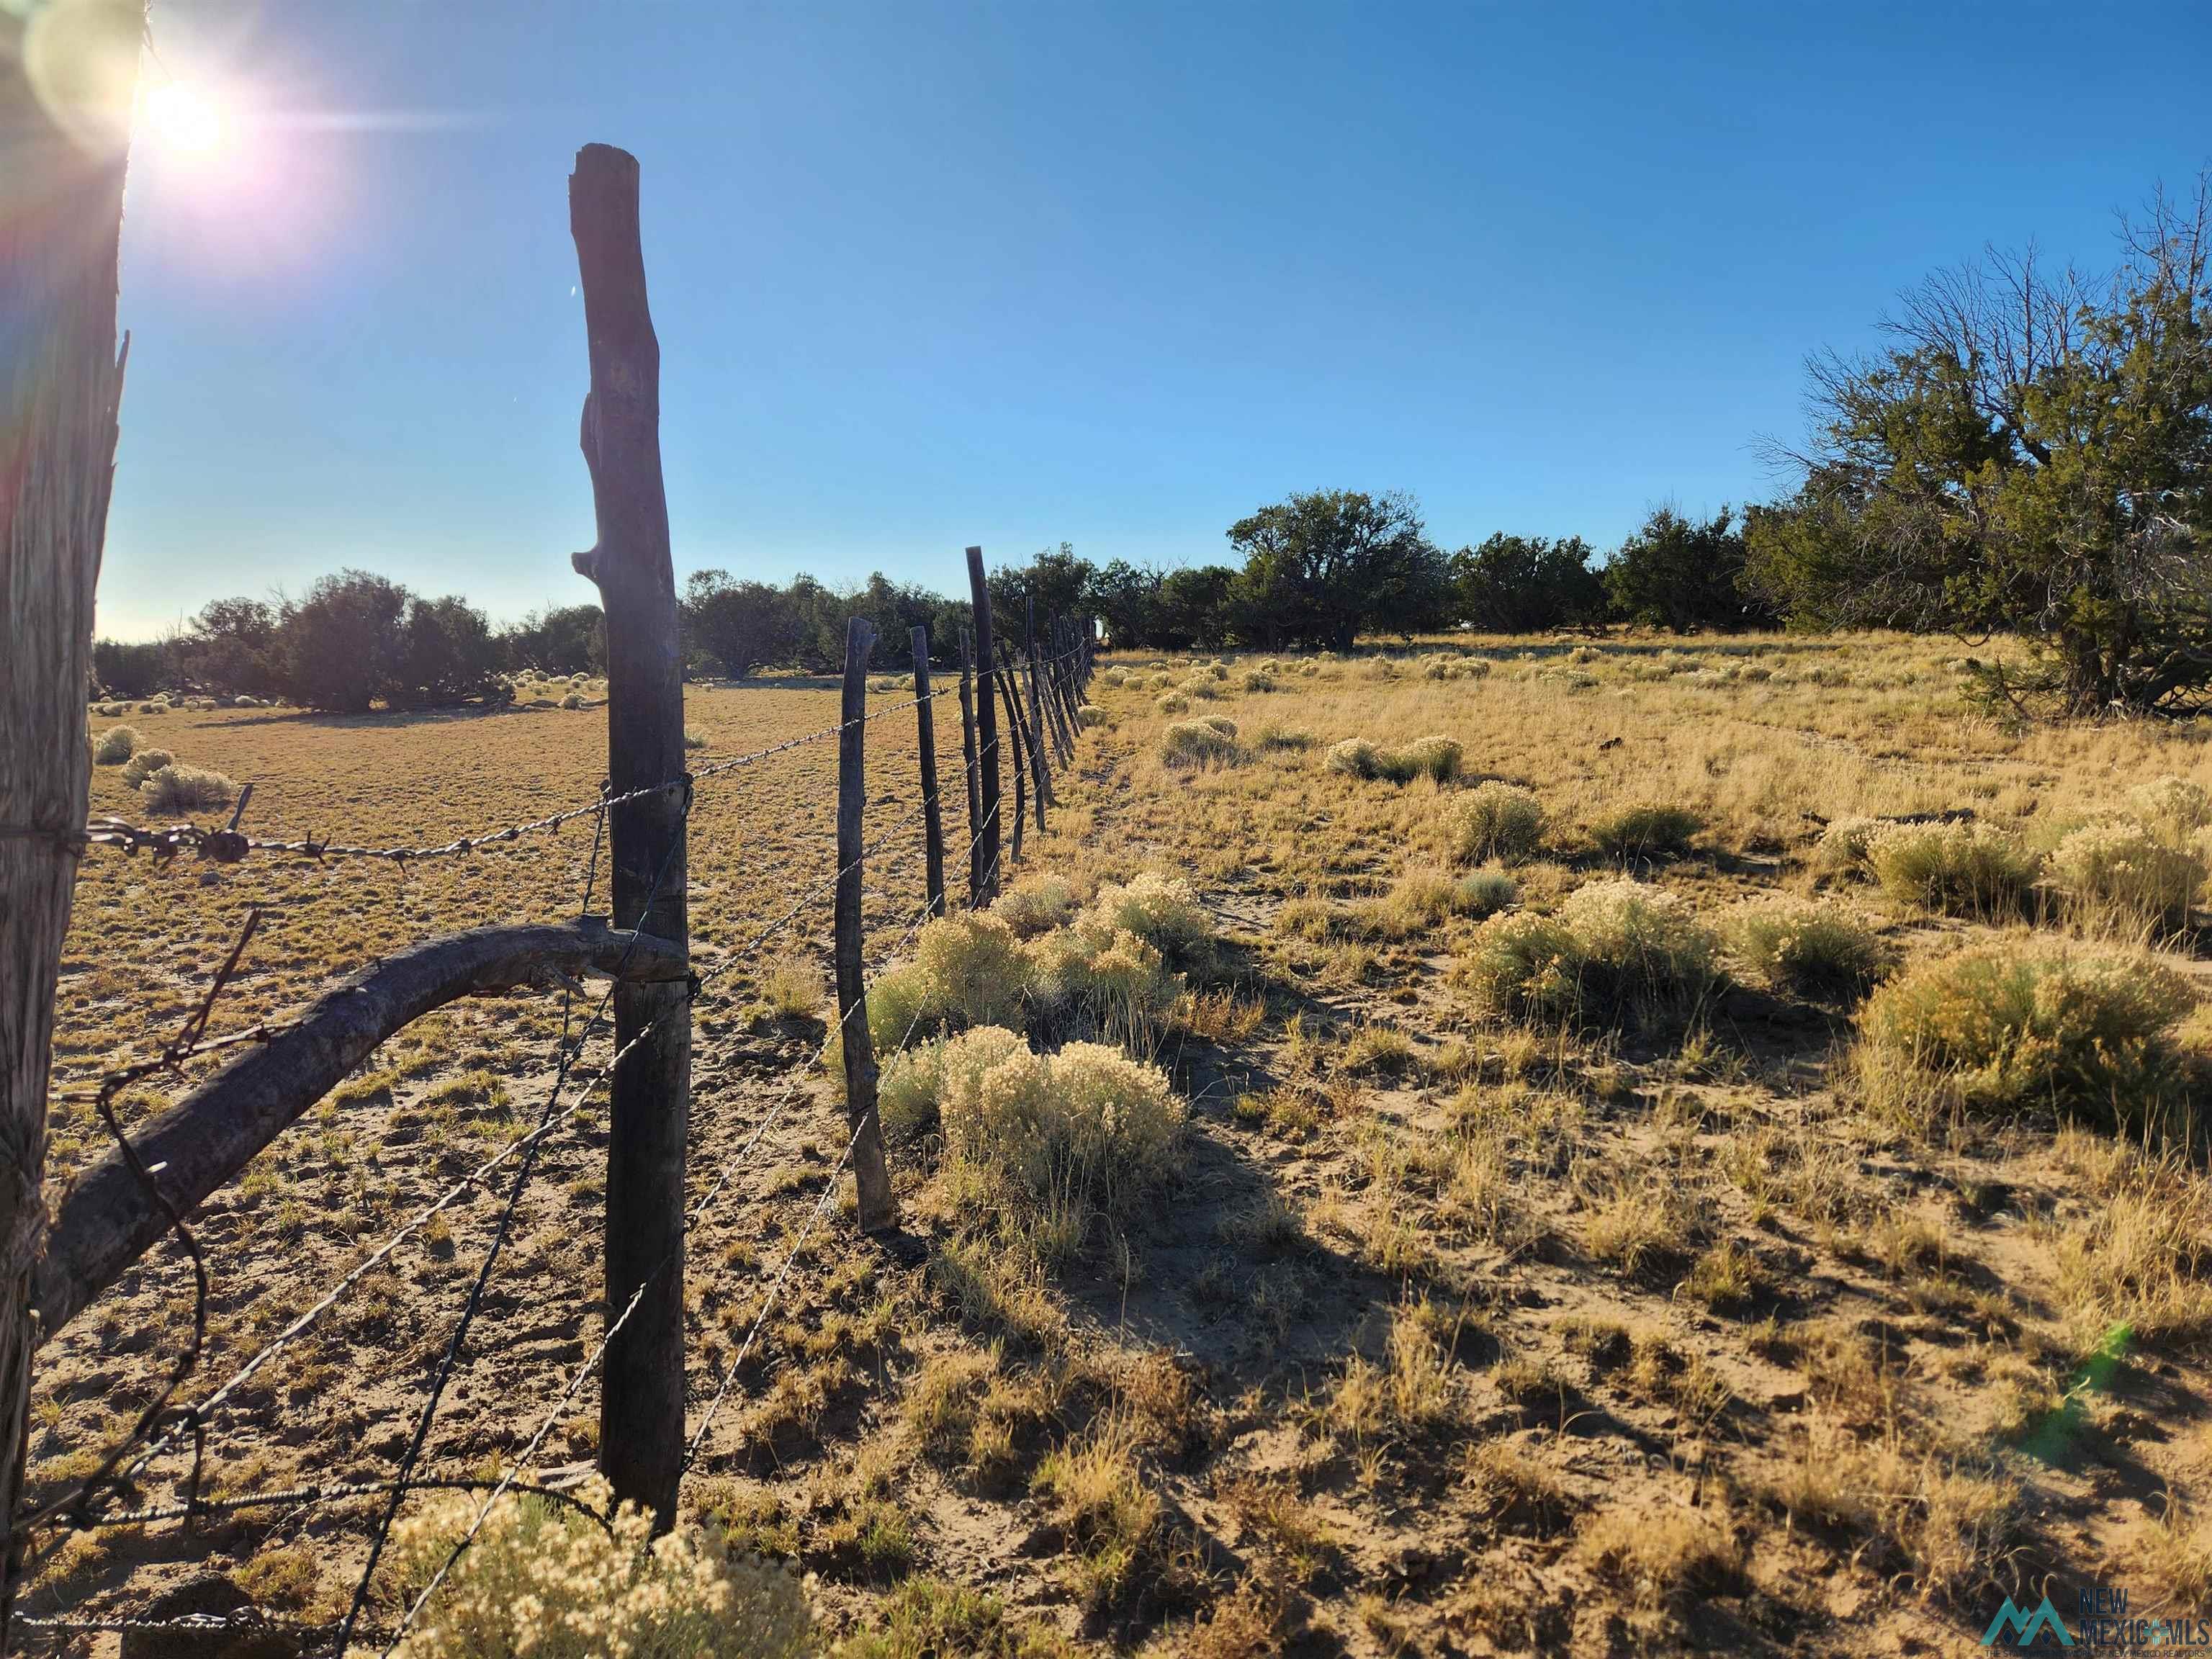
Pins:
x: 183, y: 119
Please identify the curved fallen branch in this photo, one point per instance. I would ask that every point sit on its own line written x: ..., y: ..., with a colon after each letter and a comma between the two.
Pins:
x: 107, y: 1220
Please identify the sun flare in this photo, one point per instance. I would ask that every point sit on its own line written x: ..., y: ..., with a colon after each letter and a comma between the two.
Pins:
x: 184, y: 119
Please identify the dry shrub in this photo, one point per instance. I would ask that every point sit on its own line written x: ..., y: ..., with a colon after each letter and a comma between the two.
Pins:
x: 176, y: 789
x: 1437, y: 757
x: 1273, y: 738
x: 1950, y: 1524
x: 544, y: 1579
x: 1094, y: 1494
x: 1356, y: 757
x: 1842, y: 848
x: 116, y: 745
x: 1645, y: 832
x: 1116, y: 979
x: 1813, y: 948
x: 2012, y: 1029
x: 1658, y: 1557
x: 1175, y: 703
x: 2172, y: 809
x: 2115, y: 877
x: 1614, y: 949
x: 1035, y: 903
x: 2135, y: 1259
x: 1955, y: 868
x: 1071, y: 1135
x: 1090, y: 713
x: 694, y: 738
x: 1200, y: 743
x: 1421, y: 899
x: 574, y: 700
x: 143, y: 765
x: 1164, y: 911
x: 969, y: 969
x: 1495, y: 820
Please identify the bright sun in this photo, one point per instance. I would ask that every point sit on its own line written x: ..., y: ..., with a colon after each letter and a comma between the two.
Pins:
x: 183, y: 119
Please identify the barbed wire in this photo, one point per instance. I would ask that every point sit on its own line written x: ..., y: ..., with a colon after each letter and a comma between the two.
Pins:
x: 229, y: 846
x: 525, y: 1148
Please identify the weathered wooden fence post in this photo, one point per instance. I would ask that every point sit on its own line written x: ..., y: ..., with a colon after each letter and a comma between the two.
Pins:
x: 641, y: 1400
x: 967, y: 757
x: 874, y: 1181
x: 987, y: 726
x: 1028, y: 761
x: 61, y: 382
x: 1017, y: 735
x: 932, y: 819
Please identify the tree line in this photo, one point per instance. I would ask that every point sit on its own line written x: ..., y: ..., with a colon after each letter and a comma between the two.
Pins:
x: 1318, y: 570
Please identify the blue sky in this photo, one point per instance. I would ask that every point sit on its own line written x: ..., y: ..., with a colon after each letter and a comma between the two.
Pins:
x: 927, y: 275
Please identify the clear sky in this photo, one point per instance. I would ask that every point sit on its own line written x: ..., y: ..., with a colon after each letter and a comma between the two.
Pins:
x: 927, y: 274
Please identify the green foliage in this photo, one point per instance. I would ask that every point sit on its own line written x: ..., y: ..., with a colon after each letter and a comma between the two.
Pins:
x: 1526, y: 585
x: 1322, y: 568
x: 1680, y: 574
x: 2033, y: 452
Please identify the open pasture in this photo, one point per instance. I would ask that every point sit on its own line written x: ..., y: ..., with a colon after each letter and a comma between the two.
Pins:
x: 1532, y: 1261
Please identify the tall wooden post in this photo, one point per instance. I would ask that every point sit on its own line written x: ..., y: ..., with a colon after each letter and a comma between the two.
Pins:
x: 1040, y: 772
x: 641, y: 1401
x: 987, y: 729
x: 61, y: 383
x: 877, y: 1211
x: 933, y: 820
x: 968, y: 757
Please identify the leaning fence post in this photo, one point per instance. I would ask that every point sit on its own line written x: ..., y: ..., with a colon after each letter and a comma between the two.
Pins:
x: 641, y: 1397
x: 61, y: 382
x: 874, y: 1181
x: 967, y: 757
x: 1040, y: 771
x: 1018, y: 733
x: 932, y: 819
x: 986, y: 728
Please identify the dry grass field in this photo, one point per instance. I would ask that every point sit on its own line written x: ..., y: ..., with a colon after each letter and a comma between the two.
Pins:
x: 1707, y: 1160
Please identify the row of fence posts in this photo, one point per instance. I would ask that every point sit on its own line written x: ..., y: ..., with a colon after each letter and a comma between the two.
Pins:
x: 1054, y: 673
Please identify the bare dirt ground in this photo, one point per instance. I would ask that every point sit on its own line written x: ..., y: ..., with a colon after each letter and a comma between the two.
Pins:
x: 1458, y: 1333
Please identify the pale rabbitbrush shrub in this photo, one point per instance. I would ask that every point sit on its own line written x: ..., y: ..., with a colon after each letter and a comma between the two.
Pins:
x: 1956, y: 868
x: 1355, y: 757
x: 143, y: 765
x: 1645, y: 832
x: 2030, y: 1028
x: 2115, y: 877
x: 1071, y: 1135
x: 543, y: 1580
x: 1164, y: 911
x: 1175, y: 703
x: 175, y: 790
x: 968, y: 969
x: 1615, y: 949
x: 1813, y: 948
x: 1842, y: 848
x: 1495, y: 820
x: 2172, y: 809
x: 1108, y: 975
x: 1090, y: 713
x: 1036, y: 903
x: 116, y: 745
x: 1199, y: 744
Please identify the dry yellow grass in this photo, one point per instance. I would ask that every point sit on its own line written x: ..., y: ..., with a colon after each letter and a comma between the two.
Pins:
x: 1454, y: 1327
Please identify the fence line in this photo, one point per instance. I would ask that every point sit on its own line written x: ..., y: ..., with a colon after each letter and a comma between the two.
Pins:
x: 1043, y: 737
